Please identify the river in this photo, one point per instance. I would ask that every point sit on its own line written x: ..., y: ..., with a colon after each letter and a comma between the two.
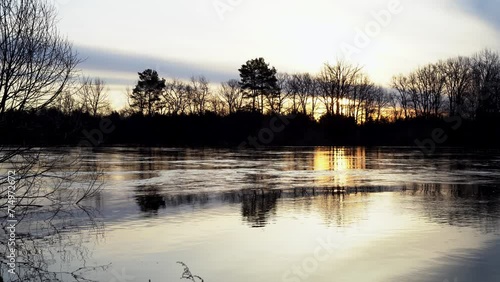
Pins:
x: 291, y: 214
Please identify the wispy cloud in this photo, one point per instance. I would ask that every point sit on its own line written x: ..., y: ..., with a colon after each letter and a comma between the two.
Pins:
x: 484, y: 9
x: 119, y: 70
x: 185, y: 38
x: 122, y: 68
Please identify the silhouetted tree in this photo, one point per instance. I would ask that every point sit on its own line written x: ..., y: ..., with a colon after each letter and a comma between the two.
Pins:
x: 36, y: 67
x: 401, y: 85
x: 175, y: 99
x: 146, y: 95
x: 198, y: 91
x: 285, y: 95
x: 395, y: 108
x: 382, y: 101
x: 422, y: 90
x: 431, y: 83
x: 65, y: 102
x: 217, y: 105
x: 259, y: 80
x: 336, y: 82
x: 458, y: 82
x: 361, y: 99
x: 36, y: 62
x: 94, y: 97
x: 232, y: 94
x: 486, y: 83
x: 303, y: 87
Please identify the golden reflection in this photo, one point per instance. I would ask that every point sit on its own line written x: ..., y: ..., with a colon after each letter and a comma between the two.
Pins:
x: 338, y: 165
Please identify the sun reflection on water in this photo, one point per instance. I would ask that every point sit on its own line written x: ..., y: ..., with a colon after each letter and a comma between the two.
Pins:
x: 337, y: 163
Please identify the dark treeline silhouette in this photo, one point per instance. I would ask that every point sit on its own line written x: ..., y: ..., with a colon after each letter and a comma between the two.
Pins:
x: 259, y: 206
x: 338, y: 106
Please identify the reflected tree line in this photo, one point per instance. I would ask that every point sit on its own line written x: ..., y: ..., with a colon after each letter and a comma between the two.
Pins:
x: 474, y: 205
x: 53, y: 214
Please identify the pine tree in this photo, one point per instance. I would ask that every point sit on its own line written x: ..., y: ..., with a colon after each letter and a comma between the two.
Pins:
x: 258, y: 80
x: 146, y: 94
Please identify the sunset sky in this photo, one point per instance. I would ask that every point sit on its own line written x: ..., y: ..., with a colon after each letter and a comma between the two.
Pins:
x: 119, y: 38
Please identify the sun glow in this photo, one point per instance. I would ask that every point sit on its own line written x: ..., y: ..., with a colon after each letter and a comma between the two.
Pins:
x: 337, y: 164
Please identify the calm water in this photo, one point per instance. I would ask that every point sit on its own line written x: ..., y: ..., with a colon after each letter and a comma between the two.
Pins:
x: 292, y: 214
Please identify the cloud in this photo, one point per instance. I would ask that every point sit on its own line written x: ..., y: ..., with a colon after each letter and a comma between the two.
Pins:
x: 119, y: 70
x: 122, y: 68
x: 484, y: 9
x: 185, y: 38
x: 298, y: 36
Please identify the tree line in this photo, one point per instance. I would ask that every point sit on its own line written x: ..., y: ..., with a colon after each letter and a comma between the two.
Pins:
x: 44, y: 97
x: 468, y: 87
x: 463, y: 86
x: 340, y: 89
x: 39, y: 72
x: 339, y: 105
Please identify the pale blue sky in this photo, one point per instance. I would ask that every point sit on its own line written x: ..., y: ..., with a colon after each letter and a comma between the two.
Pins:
x: 180, y: 38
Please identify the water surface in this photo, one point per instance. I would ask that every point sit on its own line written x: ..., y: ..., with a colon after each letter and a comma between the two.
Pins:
x: 294, y: 214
